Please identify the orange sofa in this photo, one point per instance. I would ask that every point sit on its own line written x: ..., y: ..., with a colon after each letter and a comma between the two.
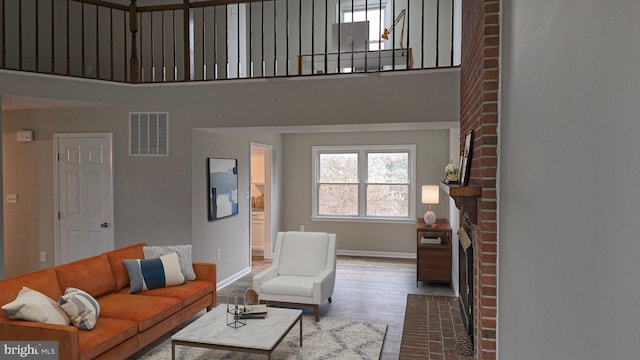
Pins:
x: 127, y: 322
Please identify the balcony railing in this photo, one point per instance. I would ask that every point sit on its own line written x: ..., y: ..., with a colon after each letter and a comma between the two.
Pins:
x: 222, y: 39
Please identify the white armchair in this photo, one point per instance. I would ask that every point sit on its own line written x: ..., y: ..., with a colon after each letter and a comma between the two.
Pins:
x: 303, y: 271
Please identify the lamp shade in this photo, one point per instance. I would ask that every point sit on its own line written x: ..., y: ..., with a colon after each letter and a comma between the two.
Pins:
x: 430, y: 194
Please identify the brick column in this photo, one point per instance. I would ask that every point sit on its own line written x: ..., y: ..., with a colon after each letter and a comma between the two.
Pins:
x: 479, y: 112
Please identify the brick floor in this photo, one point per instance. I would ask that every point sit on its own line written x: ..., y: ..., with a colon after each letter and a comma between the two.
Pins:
x: 432, y: 324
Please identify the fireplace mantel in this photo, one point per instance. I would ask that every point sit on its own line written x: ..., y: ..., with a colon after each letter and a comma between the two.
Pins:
x: 465, y: 198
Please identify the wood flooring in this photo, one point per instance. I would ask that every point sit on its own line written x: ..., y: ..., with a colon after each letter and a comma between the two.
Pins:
x: 367, y: 289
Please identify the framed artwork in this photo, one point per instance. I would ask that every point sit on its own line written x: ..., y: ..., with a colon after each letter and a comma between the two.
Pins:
x: 465, y: 158
x: 223, y: 188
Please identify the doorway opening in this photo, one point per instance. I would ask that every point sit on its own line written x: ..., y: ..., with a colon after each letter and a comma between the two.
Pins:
x: 261, y: 213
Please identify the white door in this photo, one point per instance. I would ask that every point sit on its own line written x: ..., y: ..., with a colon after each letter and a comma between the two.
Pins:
x: 84, y: 195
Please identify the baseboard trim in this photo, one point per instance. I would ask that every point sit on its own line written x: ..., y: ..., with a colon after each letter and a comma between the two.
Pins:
x: 378, y: 254
x: 226, y: 282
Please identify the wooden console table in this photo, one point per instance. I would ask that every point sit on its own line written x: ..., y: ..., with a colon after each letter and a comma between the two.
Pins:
x: 434, y: 259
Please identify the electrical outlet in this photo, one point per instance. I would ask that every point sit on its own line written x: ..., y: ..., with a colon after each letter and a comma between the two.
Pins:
x: 302, y: 228
x: 219, y: 254
x: 12, y: 199
x: 43, y: 256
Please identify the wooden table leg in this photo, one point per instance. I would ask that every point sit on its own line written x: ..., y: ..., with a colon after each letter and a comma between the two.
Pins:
x: 300, y: 330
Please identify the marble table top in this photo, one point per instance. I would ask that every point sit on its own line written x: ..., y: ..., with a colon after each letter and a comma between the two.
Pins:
x: 261, y: 334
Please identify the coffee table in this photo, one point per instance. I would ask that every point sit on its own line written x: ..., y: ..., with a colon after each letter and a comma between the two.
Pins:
x: 258, y: 336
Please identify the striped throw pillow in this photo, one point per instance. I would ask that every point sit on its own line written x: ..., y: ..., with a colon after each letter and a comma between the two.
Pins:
x: 82, y: 308
x: 154, y: 273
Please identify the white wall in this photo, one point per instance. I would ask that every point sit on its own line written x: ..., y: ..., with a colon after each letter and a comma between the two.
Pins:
x: 231, y: 234
x: 568, y: 181
x: 432, y: 152
x: 154, y: 195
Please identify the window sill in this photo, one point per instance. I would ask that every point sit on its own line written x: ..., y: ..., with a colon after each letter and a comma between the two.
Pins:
x: 365, y: 220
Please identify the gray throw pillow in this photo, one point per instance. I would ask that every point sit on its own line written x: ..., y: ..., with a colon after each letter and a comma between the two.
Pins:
x: 184, y: 257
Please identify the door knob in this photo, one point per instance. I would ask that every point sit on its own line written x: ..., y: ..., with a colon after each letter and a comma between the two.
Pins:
x: 104, y: 225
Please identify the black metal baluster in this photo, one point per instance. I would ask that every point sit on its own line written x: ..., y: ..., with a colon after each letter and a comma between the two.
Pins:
x: 164, y: 60
x: 275, y: 38
x: 204, y: 47
x: 287, y: 37
x: 422, y: 37
x: 250, y: 62
x: 452, y: 31
x: 20, y: 35
x: 238, y: 36
x: 437, y: 32
x: 326, y: 26
x: 82, y: 39
x: 300, y: 37
x: 37, y: 40
x: 97, y: 74
x: 53, y: 49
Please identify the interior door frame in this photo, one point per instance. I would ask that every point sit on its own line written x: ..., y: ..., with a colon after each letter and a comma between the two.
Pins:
x: 56, y: 200
x: 268, y: 210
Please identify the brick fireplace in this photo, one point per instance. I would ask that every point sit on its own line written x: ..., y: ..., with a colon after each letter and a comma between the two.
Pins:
x: 479, y: 86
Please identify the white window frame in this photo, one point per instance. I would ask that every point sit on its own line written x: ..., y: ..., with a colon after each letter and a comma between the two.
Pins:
x: 362, y: 152
x: 346, y: 7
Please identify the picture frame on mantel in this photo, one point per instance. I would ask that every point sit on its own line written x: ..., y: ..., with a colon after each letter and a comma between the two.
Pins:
x: 465, y: 159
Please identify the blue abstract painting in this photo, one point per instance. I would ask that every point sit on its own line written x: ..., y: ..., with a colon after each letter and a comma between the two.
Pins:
x: 223, y: 188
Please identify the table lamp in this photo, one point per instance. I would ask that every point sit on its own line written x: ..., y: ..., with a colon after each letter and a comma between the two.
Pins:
x: 430, y: 195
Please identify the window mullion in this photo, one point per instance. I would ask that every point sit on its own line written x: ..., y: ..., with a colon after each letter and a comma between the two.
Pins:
x: 362, y: 183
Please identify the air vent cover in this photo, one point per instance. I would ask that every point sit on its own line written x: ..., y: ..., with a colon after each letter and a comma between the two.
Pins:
x: 149, y: 134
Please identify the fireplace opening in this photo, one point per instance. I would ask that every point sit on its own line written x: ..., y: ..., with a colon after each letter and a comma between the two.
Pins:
x: 465, y: 271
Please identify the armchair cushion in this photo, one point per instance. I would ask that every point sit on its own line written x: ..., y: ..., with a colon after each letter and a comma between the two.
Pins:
x: 303, y: 253
x: 290, y: 286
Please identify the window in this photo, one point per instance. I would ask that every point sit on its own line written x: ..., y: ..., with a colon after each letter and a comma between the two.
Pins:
x: 372, y: 13
x: 364, y: 182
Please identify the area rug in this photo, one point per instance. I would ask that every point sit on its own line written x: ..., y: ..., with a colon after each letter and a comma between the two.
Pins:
x: 433, y: 329
x: 330, y: 338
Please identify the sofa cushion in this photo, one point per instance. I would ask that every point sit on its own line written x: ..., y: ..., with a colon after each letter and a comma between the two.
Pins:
x: 44, y: 281
x: 82, y: 308
x: 117, y: 266
x: 289, y: 285
x: 31, y: 305
x: 154, y: 273
x: 188, y: 293
x: 92, y: 275
x: 109, y: 334
x: 145, y: 310
x: 184, y: 257
x: 303, y: 253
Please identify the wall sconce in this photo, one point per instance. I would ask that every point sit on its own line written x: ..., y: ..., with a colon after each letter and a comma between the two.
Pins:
x: 430, y: 195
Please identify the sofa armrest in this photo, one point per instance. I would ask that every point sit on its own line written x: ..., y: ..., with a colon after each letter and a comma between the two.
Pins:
x: 264, y: 276
x: 66, y: 336
x: 205, y: 271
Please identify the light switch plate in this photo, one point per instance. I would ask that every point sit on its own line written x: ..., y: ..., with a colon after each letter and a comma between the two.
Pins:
x: 12, y: 199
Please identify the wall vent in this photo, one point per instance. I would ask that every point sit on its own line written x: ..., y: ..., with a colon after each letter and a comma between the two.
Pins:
x: 149, y: 134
